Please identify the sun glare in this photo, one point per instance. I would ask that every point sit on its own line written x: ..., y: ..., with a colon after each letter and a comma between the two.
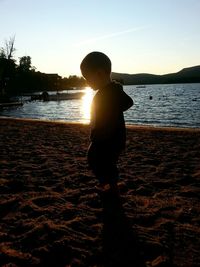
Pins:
x: 86, y: 104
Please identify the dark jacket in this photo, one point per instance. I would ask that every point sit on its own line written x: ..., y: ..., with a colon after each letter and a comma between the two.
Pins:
x: 107, y: 119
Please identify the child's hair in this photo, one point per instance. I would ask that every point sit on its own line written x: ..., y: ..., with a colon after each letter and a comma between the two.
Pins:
x: 94, y: 61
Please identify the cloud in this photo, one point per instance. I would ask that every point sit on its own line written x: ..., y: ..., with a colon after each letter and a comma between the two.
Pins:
x: 111, y: 35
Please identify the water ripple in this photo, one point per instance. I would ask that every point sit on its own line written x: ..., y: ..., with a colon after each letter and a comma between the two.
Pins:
x: 159, y: 105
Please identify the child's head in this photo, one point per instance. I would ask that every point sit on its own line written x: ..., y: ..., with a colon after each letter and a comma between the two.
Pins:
x: 96, y: 69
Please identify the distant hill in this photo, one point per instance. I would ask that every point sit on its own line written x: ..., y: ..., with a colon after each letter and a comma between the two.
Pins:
x: 186, y: 75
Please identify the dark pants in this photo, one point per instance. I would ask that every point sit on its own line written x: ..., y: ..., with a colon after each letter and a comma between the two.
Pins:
x: 102, y: 160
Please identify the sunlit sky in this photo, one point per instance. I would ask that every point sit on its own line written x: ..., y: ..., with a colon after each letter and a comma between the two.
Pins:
x: 143, y: 36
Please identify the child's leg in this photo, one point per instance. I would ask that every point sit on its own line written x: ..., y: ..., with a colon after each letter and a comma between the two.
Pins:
x: 95, y: 162
x: 110, y: 174
x: 103, y: 162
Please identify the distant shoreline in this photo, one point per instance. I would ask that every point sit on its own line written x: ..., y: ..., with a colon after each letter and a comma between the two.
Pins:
x: 186, y: 75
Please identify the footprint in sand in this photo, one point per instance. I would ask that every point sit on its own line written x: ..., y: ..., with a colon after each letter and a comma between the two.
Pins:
x: 47, y: 201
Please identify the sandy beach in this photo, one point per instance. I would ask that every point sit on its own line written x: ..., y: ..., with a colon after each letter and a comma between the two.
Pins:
x: 52, y: 215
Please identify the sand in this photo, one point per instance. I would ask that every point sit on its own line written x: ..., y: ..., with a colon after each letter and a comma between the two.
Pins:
x: 51, y: 214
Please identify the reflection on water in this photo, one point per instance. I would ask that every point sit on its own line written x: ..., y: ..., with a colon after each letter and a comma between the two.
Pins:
x: 68, y: 110
x: 86, y: 104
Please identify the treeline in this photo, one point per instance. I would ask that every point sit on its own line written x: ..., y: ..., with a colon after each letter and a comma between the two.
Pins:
x: 16, y: 79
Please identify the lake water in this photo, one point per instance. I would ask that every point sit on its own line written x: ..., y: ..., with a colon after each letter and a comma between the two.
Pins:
x: 176, y: 105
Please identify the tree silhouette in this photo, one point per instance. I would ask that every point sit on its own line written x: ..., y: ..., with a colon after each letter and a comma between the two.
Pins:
x: 7, y: 67
x: 8, y: 50
x: 25, y: 63
x: 16, y: 79
x: 2, y: 53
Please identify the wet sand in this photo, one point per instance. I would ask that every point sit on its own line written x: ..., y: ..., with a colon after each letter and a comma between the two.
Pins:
x: 52, y: 215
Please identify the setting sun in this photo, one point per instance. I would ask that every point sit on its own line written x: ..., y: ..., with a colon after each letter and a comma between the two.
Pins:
x: 86, y: 103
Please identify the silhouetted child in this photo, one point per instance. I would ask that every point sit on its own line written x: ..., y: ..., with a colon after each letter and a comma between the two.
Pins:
x: 108, y: 132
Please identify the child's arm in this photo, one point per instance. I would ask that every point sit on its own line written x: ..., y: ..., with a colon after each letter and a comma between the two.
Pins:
x: 109, y: 114
x: 126, y: 101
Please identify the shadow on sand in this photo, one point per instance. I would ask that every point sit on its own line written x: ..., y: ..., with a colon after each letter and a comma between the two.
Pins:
x: 120, y: 243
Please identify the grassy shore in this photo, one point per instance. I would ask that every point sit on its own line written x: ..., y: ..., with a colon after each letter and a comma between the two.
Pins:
x: 52, y: 215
